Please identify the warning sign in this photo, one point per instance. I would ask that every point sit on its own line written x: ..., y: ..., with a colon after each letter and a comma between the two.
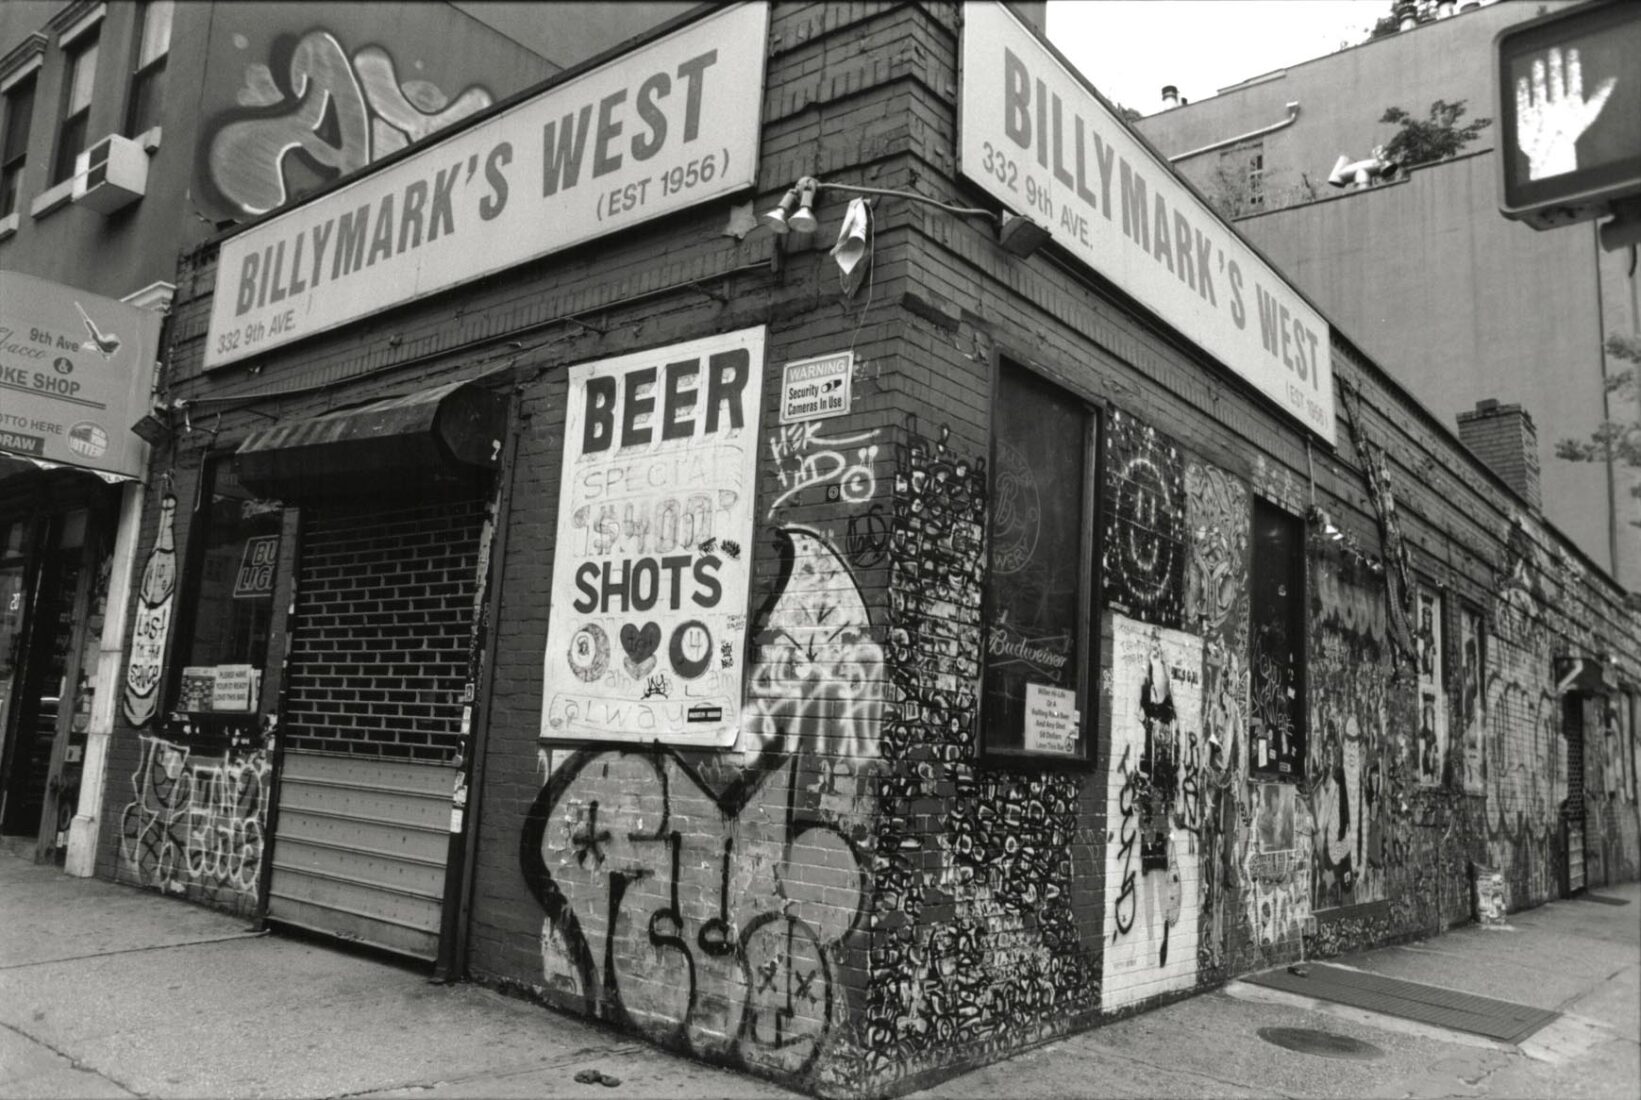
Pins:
x: 815, y: 389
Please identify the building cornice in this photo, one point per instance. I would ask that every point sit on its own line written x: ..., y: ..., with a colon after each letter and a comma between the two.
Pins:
x: 22, y: 59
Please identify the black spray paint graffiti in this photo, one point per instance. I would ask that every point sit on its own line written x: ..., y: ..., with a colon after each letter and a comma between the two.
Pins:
x: 314, y: 105
x: 1143, y: 555
x: 671, y: 881
x: 866, y: 541
x: 975, y: 943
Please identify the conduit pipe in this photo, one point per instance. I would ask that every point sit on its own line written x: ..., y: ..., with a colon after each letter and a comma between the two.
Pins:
x: 1293, y: 116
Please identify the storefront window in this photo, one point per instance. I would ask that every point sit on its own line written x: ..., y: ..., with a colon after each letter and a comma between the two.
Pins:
x: 1038, y: 648
x: 225, y: 648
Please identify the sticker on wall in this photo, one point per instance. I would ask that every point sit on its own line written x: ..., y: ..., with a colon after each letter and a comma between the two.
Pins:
x: 816, y: 389
x: 153, y: 624
x: 646, y: 641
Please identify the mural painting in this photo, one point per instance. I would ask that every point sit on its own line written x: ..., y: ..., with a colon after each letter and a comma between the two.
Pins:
x: 1353, y: 760
x: 1155, y: 808
x: 1216, y: 605
x: 667, y: 878
x: 1276, y: 878
x: 975, y: 939
x: 1143, y: 560
x: 1472, y: 697
x: 196, y: 820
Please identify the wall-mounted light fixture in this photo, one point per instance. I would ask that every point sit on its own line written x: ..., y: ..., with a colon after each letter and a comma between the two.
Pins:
x: 1320, y: 519
x: 155, y: 426
x: 1018, y: 234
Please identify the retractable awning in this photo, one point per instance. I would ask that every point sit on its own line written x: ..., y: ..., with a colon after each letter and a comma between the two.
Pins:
x: 452, y: 429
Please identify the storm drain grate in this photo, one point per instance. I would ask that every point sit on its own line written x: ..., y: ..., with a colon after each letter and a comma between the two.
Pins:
x: 1428, y: 1004
x: 1602, y: 898
x: 1327, y: 1044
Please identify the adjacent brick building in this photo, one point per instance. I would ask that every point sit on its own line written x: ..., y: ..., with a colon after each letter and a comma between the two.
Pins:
x: 1066, y: 667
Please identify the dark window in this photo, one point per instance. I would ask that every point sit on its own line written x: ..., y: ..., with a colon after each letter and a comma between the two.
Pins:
x: 148, y: 76
x: 14, y: 127
x: 234, y: 570
x: 1035, y: 698
x: 1276, y: 737
x: 81, y: 75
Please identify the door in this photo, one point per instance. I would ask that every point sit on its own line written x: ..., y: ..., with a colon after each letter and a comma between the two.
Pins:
x: 1572, y: 718
x: 373, y: 716
x: 43, y: 628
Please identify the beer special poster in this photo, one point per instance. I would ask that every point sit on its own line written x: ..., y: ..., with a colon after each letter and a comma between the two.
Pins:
x: 647, y: 635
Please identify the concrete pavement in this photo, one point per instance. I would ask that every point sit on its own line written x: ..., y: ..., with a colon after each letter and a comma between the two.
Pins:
x: 107, y: 991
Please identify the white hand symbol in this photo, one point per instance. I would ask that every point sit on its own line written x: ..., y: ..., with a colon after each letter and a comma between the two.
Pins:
x: 1550, y: 119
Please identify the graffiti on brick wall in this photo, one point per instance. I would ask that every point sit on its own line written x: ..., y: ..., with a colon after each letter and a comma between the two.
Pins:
x: 1351, y: 752
x: 1526, y: 759
x: 1276, y: 867
x: 1143, y: 543
x: 681, y: 910
x: 818, y: 680
x: 1472, y: 698
x: 1431, y: 760
x: 975, y: 946
x: 1216, y: 605
x: 314, y: 113
x: 702, y: 900
x: 195, y: 820
x: 1154, y: 813
x: 843, y: 466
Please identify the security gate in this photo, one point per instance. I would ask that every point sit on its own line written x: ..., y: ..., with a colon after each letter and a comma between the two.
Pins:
x: 372, y: 718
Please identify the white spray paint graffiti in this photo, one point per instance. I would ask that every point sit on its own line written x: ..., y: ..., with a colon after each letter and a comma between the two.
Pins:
x: 195, y: 821
x: 819, y: 679
x: 804, y: 458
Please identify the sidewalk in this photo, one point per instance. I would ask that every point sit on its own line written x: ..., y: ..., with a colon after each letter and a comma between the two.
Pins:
x: 107, y: 991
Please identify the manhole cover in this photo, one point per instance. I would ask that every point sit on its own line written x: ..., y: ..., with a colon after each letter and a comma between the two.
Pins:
x: 1324, y: 1043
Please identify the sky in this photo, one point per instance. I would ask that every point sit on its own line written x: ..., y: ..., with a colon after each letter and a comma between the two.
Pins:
x: 1130, y: 48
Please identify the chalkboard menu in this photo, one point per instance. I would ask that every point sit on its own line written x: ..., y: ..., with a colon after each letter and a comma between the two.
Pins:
x: 1034, y: 698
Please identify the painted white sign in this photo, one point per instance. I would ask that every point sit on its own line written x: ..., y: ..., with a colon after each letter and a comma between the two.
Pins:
x: 670, y: 125
x: 1034, y: 136
x: 1051, y: 719
x: 816, y: 389
x: 651, y: 568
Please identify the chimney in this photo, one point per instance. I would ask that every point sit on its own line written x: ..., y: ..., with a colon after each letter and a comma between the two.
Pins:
x: 1407, y: 15
x: 1504, y: 438
x: 1170, y: 96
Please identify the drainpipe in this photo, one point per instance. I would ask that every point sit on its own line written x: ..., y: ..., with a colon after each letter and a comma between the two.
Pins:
x: 1293, y: 116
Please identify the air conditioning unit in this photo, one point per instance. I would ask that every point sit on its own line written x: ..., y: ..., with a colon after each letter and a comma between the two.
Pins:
x: 111, y: 175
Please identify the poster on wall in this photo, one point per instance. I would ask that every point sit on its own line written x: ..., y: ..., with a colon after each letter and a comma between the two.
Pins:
x: 652, y: 564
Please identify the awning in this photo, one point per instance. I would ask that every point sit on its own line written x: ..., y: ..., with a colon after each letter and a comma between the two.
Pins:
x: 452, y: 429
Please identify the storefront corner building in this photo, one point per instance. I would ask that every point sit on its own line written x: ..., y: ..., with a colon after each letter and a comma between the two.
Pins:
x: 852, y: 677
